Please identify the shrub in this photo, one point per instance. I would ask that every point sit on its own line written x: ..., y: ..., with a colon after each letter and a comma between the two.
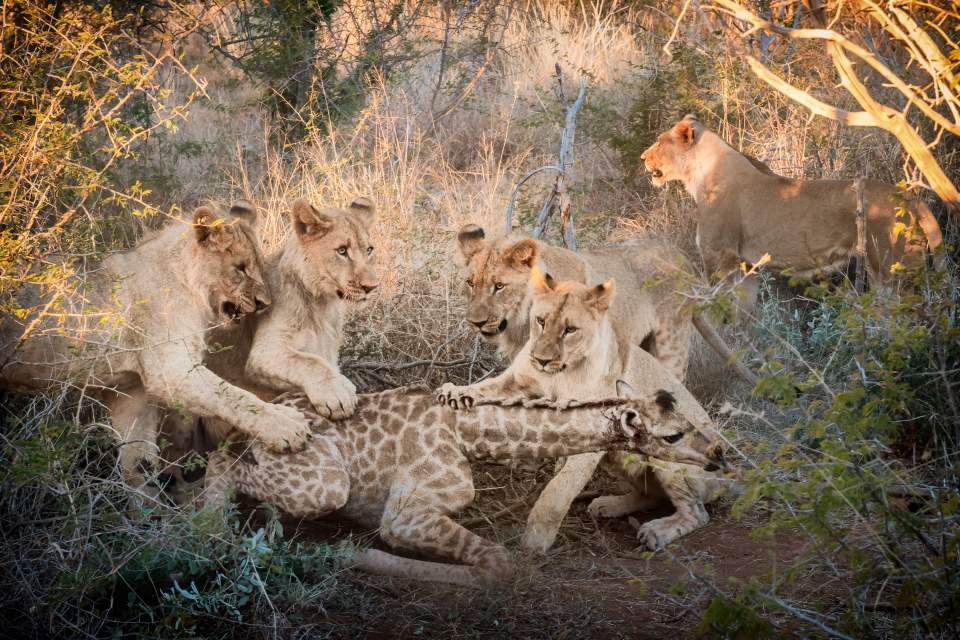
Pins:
x: 868, y: 464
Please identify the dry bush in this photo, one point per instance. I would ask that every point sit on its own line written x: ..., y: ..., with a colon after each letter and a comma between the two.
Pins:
x: 443, y: 117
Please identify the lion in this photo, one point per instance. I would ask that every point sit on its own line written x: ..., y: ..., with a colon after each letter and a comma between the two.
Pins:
x: 323, y: 263
x: 134, y: 331
x: 649, y: 313
x: 806, y: 227
x: 573, y: 355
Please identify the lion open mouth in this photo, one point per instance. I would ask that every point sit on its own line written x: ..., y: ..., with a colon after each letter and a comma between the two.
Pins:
x: 232, y: 311
x: 500, y: 329
x: 352, y: 294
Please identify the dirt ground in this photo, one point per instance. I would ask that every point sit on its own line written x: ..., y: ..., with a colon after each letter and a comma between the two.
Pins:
x: 594, y: 583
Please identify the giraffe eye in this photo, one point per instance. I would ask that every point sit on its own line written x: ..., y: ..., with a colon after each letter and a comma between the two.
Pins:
x: 673, y: 439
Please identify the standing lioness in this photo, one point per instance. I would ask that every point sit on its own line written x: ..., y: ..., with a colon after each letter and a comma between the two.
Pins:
x: 134, y: 330
x: 649, y: 313
x: 806, y: 226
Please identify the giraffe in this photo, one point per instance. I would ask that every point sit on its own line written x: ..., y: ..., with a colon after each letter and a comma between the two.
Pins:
x: 402, y: 463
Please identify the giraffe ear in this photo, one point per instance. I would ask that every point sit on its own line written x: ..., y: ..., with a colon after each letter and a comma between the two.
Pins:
x: 625, y: 391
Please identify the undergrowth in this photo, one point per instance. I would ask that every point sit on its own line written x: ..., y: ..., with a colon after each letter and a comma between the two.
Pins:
x: 435, y: 111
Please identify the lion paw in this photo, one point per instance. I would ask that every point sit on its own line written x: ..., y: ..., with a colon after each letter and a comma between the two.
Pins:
x: 618, y: 506
x: 289, y: 431
x: 456, y: 397
x: 334, y: 400
x: 657, y: 534
x: 608, y: 507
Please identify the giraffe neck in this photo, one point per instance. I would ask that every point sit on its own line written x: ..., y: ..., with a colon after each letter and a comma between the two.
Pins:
x: 500, y: 433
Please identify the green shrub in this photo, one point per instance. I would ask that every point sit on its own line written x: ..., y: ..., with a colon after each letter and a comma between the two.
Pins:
x: 869, y: 469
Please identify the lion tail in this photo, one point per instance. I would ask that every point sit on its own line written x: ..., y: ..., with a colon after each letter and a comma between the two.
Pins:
x: 717, y: 344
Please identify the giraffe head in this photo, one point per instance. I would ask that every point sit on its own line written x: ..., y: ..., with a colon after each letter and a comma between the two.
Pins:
x: 654, y: 428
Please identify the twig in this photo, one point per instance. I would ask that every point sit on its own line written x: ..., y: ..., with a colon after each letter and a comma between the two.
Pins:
x: 558, y: 196
x: 508, y: 222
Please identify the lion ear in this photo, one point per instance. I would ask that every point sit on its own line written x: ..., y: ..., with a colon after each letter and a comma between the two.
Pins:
x: 365, y: 209
x: 601, y: 296
x: 208, y: 228
x: 542, y: 282
x: 470, y: 238
x: 522, y: 255
x: 246, y: 211
x: 687, y: 129
x: 308, y: 221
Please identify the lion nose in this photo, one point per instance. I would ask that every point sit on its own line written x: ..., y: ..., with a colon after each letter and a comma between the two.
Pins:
x: 544, y: 362
x: 367, y: 288
x: 478, y: 323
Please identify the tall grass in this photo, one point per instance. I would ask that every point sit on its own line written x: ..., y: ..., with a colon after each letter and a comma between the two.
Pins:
x: 72, y: 559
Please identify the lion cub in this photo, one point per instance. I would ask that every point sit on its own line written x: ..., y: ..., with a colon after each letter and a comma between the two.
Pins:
x: 324, y: 262
x: 573, y: 354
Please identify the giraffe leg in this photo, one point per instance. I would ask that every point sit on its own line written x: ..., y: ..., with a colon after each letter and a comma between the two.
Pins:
x: 423, y: 529
x: 554, y: 502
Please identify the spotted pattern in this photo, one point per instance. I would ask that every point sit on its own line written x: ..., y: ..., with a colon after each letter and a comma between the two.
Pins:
x: 402, y: 463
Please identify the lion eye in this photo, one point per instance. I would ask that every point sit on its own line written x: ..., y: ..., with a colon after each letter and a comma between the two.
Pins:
x: 470, y: 283
x: 498, y: 286
x: 673, y: 439
x: 342, y: 250
x: 570, y: 330
x: 369, y: 251
x: 540, y: 322
x: 242, y: 267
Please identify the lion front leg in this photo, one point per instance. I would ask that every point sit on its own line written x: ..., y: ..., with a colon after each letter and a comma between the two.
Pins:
x: 465, y: 397
x: 334, y: 398
x: 136, y: 423
x: 554, y: 502
x: 179, y: 381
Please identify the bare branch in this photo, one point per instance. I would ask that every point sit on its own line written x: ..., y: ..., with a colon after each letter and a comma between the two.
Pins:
x: 852, y: 118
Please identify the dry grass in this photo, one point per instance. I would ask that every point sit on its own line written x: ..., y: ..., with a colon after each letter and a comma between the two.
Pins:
x: 429, y: 172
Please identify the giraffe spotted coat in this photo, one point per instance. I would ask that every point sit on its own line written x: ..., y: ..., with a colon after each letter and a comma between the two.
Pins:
x: 402, y: 463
